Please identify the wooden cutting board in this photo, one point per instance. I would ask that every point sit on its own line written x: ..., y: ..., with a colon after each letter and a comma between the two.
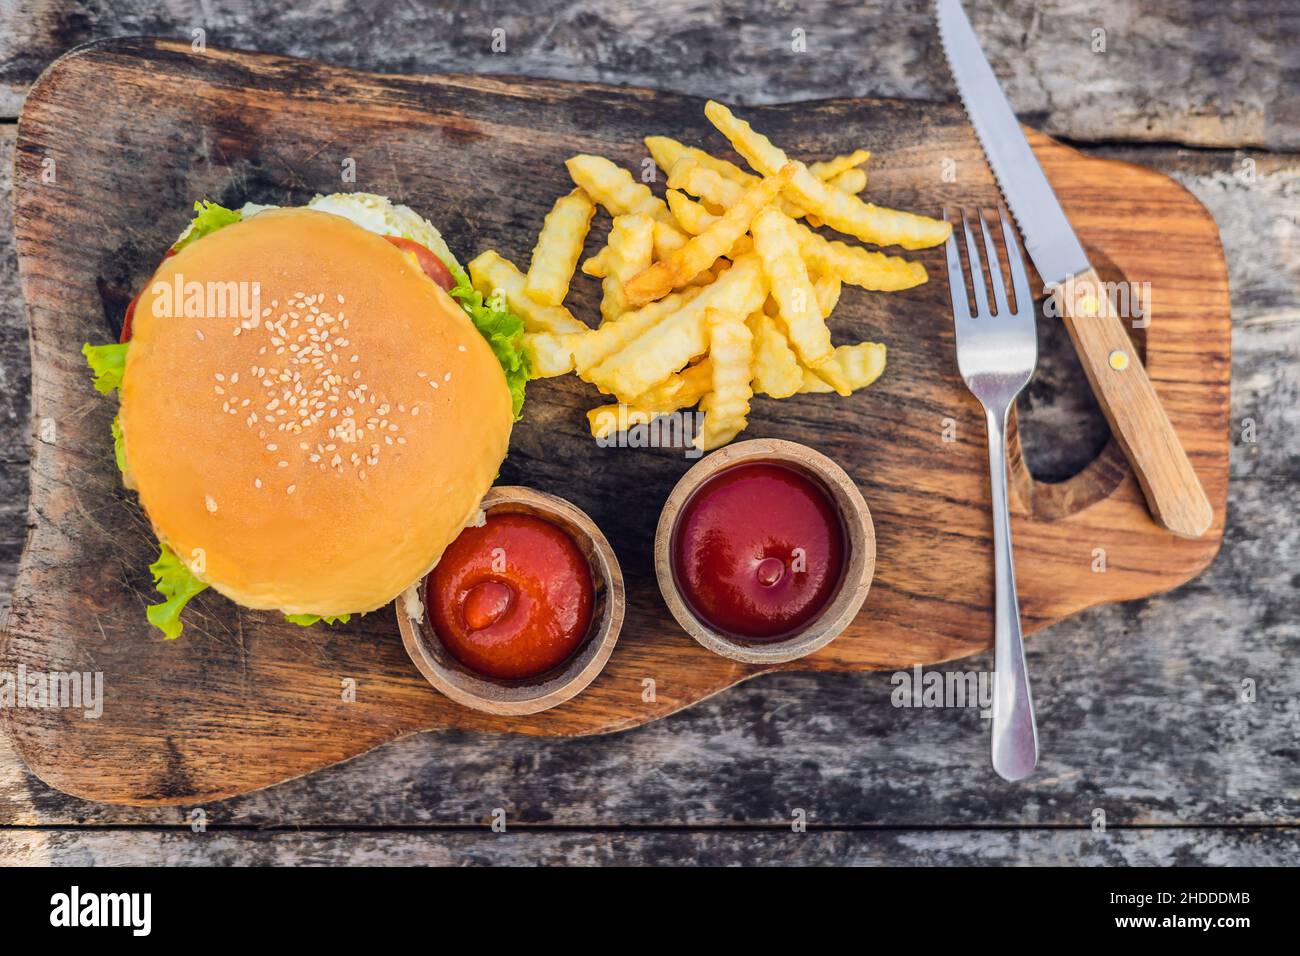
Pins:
x: 118, y: 139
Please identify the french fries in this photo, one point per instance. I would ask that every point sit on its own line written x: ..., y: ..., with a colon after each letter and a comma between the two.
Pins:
x: 850, y: 181
x: 776, y: 241
x: 682, y: 336
x: 857, y: 266
x: 549, y: 354
x: 558, y: 248
x: 678, y: 391
x: 827, y: 289
x: 614, y: 188
x: 595, y: 346
x: 855, y: 365
x: 631, y: 250
x: 490, y: 273
x: 841, y: 211
x: 726, y: 407
x: 690, y: 215
x: 666, y: 153
x: 832, y: 168
x: 714, y: 294
x: 777, y: 372
x: 700, y: 252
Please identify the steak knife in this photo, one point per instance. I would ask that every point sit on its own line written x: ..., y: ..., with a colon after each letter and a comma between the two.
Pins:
x: 1137, y: 419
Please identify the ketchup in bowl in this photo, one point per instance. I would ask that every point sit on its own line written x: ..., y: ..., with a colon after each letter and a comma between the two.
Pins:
x: 512, y: 598
x: 758, y: 551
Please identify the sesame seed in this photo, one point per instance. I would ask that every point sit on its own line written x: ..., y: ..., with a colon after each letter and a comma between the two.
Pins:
x: 210, y: 503
x: 290, y: 490
x: 199, y: 334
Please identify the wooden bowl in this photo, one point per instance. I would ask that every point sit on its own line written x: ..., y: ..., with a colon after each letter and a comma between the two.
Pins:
x: 517, y: 697
x: 859, y: 532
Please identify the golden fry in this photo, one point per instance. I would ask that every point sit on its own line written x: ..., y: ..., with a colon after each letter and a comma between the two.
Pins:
x: 700, y: 252
x: 559, y: 246
x: 706, y: 183
x: 850, y: 181
x: 841, y: 211
x: 858, y: 266
x: 777, y: 372
x: 549, y: 354
x: 831, y: 168
x: 718, y: 190
x: 776, y: 240
x: 827, y: 289
x: 855, y: 365
x: 597, y: 266
x: 613, y: 186
x: 676, y: 339
x: 682, y: 389
x: 726, y: 407
x: 667, y: 152
x: 690, y: 215
x: 594, y: 346
x: 677, y: 392
x: 491, y: 273
x: 668, y: 239
x: 631, y: 249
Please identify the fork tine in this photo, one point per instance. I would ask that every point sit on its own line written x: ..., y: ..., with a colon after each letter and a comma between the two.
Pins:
x: 1015, y: 259
x: 956, y: 281
x: 995, y: 269
x: 976, y: 270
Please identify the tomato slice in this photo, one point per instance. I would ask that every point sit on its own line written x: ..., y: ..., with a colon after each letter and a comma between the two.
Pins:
x: 430, y: 263
x: 129, y: 317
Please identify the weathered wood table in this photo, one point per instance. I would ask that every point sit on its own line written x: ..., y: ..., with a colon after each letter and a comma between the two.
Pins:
x: 1140, y: 705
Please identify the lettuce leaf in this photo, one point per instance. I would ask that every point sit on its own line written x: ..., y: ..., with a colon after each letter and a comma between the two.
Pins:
x: 119, y: 453
x: 504, y: 332
x: 307, y: 620
x: 107, y: 362
x: 177, y: 584
x: 210, y: 218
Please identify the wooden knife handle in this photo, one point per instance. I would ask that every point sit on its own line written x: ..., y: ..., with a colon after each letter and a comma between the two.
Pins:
x: 1137, y: 419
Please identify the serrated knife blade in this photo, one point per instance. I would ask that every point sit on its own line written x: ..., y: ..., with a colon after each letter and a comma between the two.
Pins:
x: 1049, y: 238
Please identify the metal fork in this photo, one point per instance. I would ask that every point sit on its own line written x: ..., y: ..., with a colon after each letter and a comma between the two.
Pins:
x: 996, y: 354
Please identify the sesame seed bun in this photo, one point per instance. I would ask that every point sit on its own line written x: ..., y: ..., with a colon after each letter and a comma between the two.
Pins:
x: 217, y: 409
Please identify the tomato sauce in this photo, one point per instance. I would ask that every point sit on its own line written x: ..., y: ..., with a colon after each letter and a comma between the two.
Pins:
x: 758, y: 551
x: 511, y: 599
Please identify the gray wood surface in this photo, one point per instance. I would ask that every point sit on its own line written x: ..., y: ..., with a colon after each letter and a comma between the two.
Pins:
x: 682, y: 848
x: 1187, y: 71
x: 1139, y: 704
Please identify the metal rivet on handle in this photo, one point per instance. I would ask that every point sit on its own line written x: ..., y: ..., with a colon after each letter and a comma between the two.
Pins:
x: 1118, y: 360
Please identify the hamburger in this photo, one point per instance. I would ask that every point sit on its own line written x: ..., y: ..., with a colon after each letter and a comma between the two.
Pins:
x: 313, y: 402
